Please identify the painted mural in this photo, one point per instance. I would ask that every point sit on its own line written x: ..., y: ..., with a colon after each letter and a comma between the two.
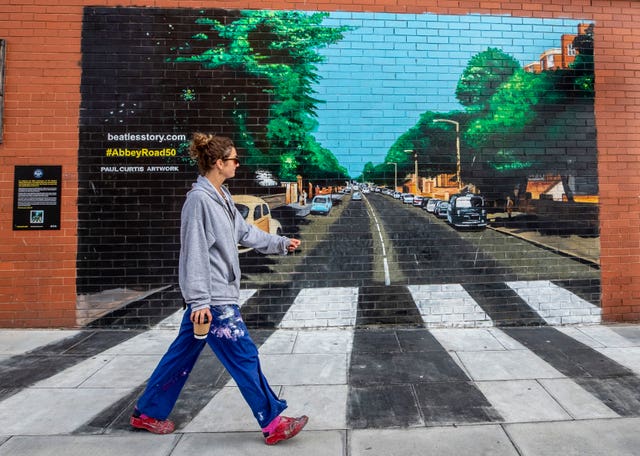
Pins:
x: 449, y: 151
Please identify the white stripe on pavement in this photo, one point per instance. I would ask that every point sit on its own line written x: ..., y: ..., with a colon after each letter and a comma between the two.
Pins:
x: 556, y: 305
x: 518, y: 383
x: 448, y: 305
x: 322, y: 307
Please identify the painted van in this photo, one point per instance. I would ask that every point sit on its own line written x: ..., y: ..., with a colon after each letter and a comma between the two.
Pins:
x: 467, y: 210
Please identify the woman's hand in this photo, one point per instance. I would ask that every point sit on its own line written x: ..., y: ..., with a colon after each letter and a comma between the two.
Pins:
x: 199, y: 316
x: 293, y: 244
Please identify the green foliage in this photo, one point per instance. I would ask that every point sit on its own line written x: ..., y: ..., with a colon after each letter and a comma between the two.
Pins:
x: 279, y: 47
x: 434, y: 143
x: 483, y: 76
x: 512, y: 117
x: 506, y: 161
x: 512, y: 107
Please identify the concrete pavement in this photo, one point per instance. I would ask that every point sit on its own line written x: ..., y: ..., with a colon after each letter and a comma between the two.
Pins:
x: 566, y: 390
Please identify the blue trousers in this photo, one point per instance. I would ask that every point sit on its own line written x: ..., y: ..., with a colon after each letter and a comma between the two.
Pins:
x: 230, y: 341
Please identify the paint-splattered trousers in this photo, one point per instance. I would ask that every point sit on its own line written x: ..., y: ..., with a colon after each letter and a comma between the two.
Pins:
x: 230, y: 341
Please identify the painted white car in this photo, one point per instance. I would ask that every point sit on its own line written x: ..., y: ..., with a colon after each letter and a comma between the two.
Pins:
x: 256, y: 211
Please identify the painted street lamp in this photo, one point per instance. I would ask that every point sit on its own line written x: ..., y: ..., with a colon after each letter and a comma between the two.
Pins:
x: 395, y: 175
x: 457, y: 124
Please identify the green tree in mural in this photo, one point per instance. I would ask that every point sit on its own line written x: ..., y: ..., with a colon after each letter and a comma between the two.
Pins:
x: 279, y: 47
x: 435, y: 146
x: 582, y: 66
x: 527, y: 116
x: 482, y: 77
x: 512, y: 107
x: 516, y: 124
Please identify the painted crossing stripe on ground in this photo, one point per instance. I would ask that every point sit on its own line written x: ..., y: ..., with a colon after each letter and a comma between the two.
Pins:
x: 521, y: 384
x: 452, y: 305
x: 400, y: 378
x: 612, y: 383
x: 322, y: 307
x: 383, y: 378
x: 448, y: 305
x: 555, y: 304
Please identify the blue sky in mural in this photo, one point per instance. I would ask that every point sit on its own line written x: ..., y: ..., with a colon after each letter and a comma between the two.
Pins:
x: 393, y: 67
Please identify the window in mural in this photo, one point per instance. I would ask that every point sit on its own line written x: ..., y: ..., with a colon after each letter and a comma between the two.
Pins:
x: 389, y: 117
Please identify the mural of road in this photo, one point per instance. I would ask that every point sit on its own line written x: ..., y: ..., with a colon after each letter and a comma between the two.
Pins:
x: 385, y: 248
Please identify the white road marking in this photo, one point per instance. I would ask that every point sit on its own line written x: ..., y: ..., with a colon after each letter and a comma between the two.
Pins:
x: 385, y: 264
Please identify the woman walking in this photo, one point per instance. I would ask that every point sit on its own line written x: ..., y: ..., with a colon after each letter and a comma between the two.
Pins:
x: 209, y: 278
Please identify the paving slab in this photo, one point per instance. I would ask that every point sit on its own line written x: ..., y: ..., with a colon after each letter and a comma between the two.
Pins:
x: 467, y: 339
x: 124, y: 372
x: 507, y: 341
x: 153, y: 342
x: 305, y: 369
x: 522, y: 401
x: 576, y: 332
x: 325, y: 341
x: 442, y: 441
x: 46, y: 411
x: 577, y: 401
x: 617, y: 437
x: 226, y: 412
x: 308, y: 443
x: 280, y: 342
x: 326, y: 405
x: 133, y: 444
x: 607, y: 336
x: 76, y: 375
x: 631, y: 333
x: 18, y: 341
x: 506, y: 365
x: 383, y: 406
x: 628, y: 356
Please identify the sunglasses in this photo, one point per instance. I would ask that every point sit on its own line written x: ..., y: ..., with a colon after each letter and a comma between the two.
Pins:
x: 235, y: 159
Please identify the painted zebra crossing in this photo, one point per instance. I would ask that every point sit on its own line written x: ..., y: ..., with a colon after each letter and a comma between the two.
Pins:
x: 344, y: 376
x: 446, y: 305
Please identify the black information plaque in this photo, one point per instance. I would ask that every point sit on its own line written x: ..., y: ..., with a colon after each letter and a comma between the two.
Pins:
x: 36, y: 197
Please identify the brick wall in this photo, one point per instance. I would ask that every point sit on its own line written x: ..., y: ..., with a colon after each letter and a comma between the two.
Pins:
x: 39, y: 281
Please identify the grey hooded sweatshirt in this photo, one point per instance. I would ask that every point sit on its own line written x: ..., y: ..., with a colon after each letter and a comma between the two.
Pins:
x: 211, y: 228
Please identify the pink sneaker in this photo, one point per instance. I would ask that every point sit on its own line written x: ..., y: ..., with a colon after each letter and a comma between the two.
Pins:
x: 152, y: 425
x: 286, y: 429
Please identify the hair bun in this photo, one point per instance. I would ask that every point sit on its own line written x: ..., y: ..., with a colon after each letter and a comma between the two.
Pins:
x: 201, y: 139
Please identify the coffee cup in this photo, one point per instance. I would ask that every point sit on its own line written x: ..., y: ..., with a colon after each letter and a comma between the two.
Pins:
x: 201, y: 330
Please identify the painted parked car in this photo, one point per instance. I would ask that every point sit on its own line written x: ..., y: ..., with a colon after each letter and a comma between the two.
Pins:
x: 407, y: 198
x: 432, y: 203
x: 321, y: 204
x: 256, y: 211
x: 467, y: 210
x: 441, y: 209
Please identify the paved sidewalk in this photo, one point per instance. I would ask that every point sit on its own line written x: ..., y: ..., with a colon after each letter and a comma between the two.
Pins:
x: 583, y: 248
x: 569, y: 390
